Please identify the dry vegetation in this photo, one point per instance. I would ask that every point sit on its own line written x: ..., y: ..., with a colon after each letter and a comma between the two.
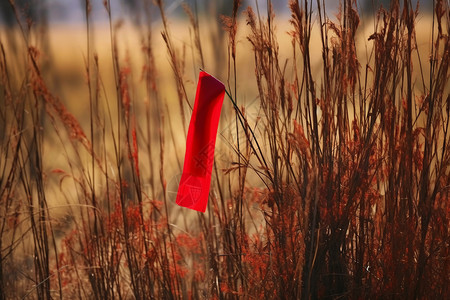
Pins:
x: 331, y: 177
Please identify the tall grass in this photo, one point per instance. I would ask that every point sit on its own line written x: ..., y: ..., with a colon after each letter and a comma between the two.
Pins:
x: 335, y: 184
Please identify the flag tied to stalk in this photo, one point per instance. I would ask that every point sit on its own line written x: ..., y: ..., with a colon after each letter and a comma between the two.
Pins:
x: 193, y: 190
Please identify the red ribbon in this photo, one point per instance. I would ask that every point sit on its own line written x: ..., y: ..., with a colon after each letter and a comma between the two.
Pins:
x: 193, y: 190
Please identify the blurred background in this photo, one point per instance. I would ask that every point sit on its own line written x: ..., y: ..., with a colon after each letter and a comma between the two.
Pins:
x: 72, y: 12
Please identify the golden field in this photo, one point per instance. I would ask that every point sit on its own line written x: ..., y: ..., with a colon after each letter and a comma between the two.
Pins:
x: 331, y: 175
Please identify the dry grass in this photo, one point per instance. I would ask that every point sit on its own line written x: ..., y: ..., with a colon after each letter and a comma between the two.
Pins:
x: 331, y: 175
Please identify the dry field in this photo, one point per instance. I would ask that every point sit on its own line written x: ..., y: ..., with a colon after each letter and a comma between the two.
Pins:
x: 331, y: 176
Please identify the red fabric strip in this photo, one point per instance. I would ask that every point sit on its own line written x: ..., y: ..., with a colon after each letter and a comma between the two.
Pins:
x: 193, y: 190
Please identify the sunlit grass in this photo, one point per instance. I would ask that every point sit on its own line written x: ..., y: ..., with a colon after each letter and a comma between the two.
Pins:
x: 331, y: 172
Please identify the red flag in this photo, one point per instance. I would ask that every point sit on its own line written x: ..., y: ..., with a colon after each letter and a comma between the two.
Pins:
x: 193, y: 190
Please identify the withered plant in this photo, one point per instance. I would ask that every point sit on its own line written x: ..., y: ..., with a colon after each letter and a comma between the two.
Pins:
x: 333, y: 184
